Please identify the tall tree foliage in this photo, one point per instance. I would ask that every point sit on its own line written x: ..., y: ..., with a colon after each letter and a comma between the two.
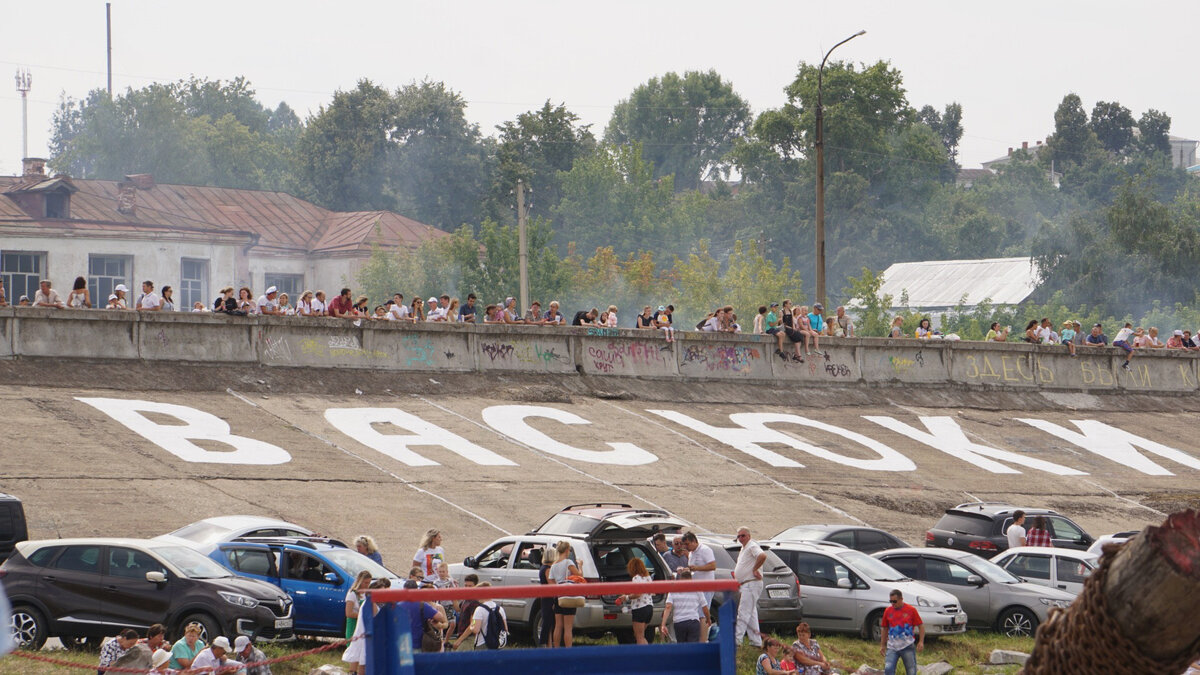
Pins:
x: 537, y: 148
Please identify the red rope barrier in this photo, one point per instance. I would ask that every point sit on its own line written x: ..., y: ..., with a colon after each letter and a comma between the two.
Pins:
x: 549, y: 590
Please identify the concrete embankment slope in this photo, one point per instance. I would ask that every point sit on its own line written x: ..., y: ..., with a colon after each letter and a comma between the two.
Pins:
x: 105, y: 436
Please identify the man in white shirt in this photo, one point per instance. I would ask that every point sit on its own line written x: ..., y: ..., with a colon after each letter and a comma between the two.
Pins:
x: 46, y: 296
x: 702, y: 563
x: 689, y: 613
x: 149, y: 301
x: 748, y: 573
x: 214, y: 656
x: 480, y: 620
x: 435, y: 313
x: 318, y: 304
x: 1016, y: 531
x: 398, y: 311
x: 266, y: 302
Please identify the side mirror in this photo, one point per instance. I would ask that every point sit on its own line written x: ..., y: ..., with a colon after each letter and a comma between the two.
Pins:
x: 469, y: 561
x: 331, y: 578
x: 975, y: 580
x: 844, y: 583
x: 156, y: 577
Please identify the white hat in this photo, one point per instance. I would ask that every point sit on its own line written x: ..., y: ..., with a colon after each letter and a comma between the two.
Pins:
x: 271, y: 290
x: 1179, y: 333
x: 431, y: 299
x: 159, y: 657
x: 112, y: 297
x: 222, y: 642
x: 241, y: 643
x: 121, y: 287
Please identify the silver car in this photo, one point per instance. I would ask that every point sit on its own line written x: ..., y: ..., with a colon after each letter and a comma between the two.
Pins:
x: 846, y: 590
x: 992, y: 597
x: 1062, y: 568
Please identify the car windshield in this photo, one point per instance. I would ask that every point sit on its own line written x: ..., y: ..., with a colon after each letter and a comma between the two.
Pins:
x: 993, y: 572
x: 202, y: 533
x: 873, y: 569
x: 191, y: 564
x: 800, y: 533
x: 354, y: 562
x: 568, y: 523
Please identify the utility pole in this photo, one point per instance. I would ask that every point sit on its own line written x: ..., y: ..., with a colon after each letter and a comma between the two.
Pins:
x: 108, y: 30
x: 522, y: 245
x: 24, y: 83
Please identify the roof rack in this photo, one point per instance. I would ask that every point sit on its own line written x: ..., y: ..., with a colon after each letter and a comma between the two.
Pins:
x: 596, y: 505
x: 306, y: 542
x: 981, y: 504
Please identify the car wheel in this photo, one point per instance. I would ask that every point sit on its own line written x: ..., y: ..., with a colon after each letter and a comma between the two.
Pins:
x: 209, y: 628
x: 1017, y: 622
x: 29, y: 628
x: 535, y: 624
x: 872, y: 630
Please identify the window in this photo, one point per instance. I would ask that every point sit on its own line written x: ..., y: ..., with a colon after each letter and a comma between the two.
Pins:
x: 131, y: 563
x: 964, y: 524
x: 1030, y: 566
x: 845, y: 538
x: 105, y: 272
x: 525, y: 561
x: 1061, y: 528
x: 1071, y: 571
x: 305, y: 567
x: 938, y: 571
x: 495, y: 557
x: 79, y: 559
x: 870, y: 542
x: 908, y: 565
x: 21, y: 271
x: 817, y: 570
x: 57, y: 204
x: 250, y: 561
x: 43, y: 556
x: 193, y: 283
x: 292, y: 284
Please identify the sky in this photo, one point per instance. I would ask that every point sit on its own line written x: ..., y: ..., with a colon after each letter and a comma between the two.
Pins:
x: 1009, y: 64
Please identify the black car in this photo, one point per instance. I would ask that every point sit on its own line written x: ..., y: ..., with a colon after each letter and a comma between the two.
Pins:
x: 91, y: 588
x: 865, y: 539
x: 981, y: 528
x: 12, y: 525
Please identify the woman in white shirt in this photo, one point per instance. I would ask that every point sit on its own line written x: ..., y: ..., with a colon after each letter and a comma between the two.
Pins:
x: 78, y: 298
x: 641, y: 606
x: 304, y: 306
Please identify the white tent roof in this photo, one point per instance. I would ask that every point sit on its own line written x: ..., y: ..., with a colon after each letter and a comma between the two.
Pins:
x: 942, y: 283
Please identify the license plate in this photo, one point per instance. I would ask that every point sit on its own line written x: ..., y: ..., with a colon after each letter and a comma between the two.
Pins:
x: 777, y: 593
x: 283, y: 623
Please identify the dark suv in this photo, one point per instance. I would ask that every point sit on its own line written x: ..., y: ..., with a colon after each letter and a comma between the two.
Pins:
x: 981, y: 528
x: 91, y: 588
x: 12, y: 525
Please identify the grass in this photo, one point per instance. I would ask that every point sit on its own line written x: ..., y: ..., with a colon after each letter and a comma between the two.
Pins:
x: 967, y: 653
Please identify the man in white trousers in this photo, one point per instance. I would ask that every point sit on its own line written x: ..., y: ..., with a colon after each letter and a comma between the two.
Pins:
x: 748, y: 573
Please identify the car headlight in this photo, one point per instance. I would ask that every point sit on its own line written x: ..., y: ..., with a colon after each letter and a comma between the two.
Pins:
x: 922, y: 602
x: 239, y: 600
x: 1055, y: 602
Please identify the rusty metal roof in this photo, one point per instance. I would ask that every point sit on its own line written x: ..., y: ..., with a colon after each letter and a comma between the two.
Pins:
x: 279, y: 220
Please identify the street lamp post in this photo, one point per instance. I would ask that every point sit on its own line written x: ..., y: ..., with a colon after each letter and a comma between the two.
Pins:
x: 821, y: 172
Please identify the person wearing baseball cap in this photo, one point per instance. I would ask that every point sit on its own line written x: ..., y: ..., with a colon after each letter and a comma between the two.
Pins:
x: 245, y: 652
x: 1067, y: 336
x: 215, y: 655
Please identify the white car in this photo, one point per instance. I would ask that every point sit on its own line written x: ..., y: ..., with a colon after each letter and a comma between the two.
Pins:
x: 846, y: 590
x: 1062, y: 568
x: 204, y: 535
x: 1119, y: 538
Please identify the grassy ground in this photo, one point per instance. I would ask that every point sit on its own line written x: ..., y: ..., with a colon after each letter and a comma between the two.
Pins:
x: 967, y: 653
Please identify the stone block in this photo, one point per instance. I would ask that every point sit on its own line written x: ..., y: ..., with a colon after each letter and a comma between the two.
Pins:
x: 1007, y: 656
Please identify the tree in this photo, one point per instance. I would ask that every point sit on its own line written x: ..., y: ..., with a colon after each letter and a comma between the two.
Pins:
x: 947, y: 126
x: 1073, y: 141
x: 538, y: 147
x: 1113, y: 125
x: 685, y: 124
x: 1155, y: 128
x: 343, y: 152
x: 872, y: 311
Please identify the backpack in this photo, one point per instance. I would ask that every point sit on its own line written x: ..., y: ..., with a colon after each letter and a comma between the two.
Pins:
x: 496, y: 634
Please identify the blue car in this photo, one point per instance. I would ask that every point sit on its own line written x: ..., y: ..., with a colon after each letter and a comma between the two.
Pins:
x: 317, y: 575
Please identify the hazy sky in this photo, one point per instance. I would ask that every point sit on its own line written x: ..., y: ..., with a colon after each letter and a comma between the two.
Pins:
x: 1008, y: 64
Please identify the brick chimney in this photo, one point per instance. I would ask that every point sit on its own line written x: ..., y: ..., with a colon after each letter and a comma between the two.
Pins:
x: 1025, y: 145
x: 33, y: 167
x: 1010, y: 152
x: 126, y: 197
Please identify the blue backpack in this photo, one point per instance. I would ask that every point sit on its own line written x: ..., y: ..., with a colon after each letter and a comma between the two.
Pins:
x: 496, y: 634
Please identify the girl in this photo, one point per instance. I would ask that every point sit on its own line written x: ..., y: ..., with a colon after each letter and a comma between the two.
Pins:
x: 611, y: 321
x: 417, y: 312
x: 925, y: 329
x: 1031, y: 333
x: 354, y: 600
x: 79, y: 297
x: 564, y: 617
x: 305, y: 306
x: 452, y: 311
x: 245, y: 301
x: 994, y: 333
x: 641, y: 606
x: 897, y: 327
x: 285, y: 308
x: 168, y: 299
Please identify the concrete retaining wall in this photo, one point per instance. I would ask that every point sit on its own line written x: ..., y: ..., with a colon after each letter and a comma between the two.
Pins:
x: 326, y: 343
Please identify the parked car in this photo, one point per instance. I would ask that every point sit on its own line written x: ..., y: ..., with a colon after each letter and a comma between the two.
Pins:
x: 865, y: 539
x: 315, y: 575
x: 982, y: 527
x: 992, y: 597
x: 514, y: 561
x: 204, y: 535
x: 12, y: 525
x: 1062, y: 568
x: 592, y: 520
x: 780, y: 606
x: 846, y: 591
x: 1097, y: 546
x: 91, y: 588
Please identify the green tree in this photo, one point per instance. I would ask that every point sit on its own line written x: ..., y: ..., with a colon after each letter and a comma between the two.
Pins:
x: 871, y: 311
x: 686, y: 124
x: 538, y: 147
x: 1155, y: 130
x: 1073, y: 140
x: 947, y: 125
x: 1113, y: 126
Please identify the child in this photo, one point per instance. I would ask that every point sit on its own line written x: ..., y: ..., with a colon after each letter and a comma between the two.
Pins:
x: 1068, y: 336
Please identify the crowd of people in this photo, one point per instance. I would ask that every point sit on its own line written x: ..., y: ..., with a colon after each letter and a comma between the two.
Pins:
x: 157, y: 655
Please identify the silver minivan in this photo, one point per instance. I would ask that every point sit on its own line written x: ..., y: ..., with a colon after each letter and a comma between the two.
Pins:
x: 1062, y: 568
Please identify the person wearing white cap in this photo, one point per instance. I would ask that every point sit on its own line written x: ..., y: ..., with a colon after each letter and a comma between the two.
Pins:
x: 215, y: 655
x: 247, y: 653
x: 266, y: 302
x: 434, y: 311
x: 158, y: 662
x: 120, y: 292
x: 113, y: 302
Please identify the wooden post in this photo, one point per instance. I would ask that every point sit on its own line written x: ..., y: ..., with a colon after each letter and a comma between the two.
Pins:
x: 1136, y: 613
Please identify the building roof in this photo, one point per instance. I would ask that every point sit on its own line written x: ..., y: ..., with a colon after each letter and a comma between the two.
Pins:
x: 943, y: 283
x: 274, y: 220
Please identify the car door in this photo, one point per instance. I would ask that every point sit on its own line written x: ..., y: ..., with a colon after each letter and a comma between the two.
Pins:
x: 128, y: 599
x: 1069, y: 573
x: 318, y: 603
x: 70, y: 588
x: 1032, y: 567
x: 826, y: 606
x: 522, y: 571
x: 951, y: 576
x: 1066, y: 534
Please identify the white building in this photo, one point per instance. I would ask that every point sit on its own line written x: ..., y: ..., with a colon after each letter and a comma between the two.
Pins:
x: 194, y: 239
x: 935, y: 286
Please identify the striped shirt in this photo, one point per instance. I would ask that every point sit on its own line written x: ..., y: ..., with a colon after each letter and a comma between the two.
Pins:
x: 685, y: 606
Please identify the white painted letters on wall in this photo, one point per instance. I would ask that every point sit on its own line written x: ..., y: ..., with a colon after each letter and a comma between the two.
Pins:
x: 356, y: 423
x: 752, y: 430
x: 198, y: 425
x: 944, y: 434
x: 1116, y: 444
x: 510, y: 421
